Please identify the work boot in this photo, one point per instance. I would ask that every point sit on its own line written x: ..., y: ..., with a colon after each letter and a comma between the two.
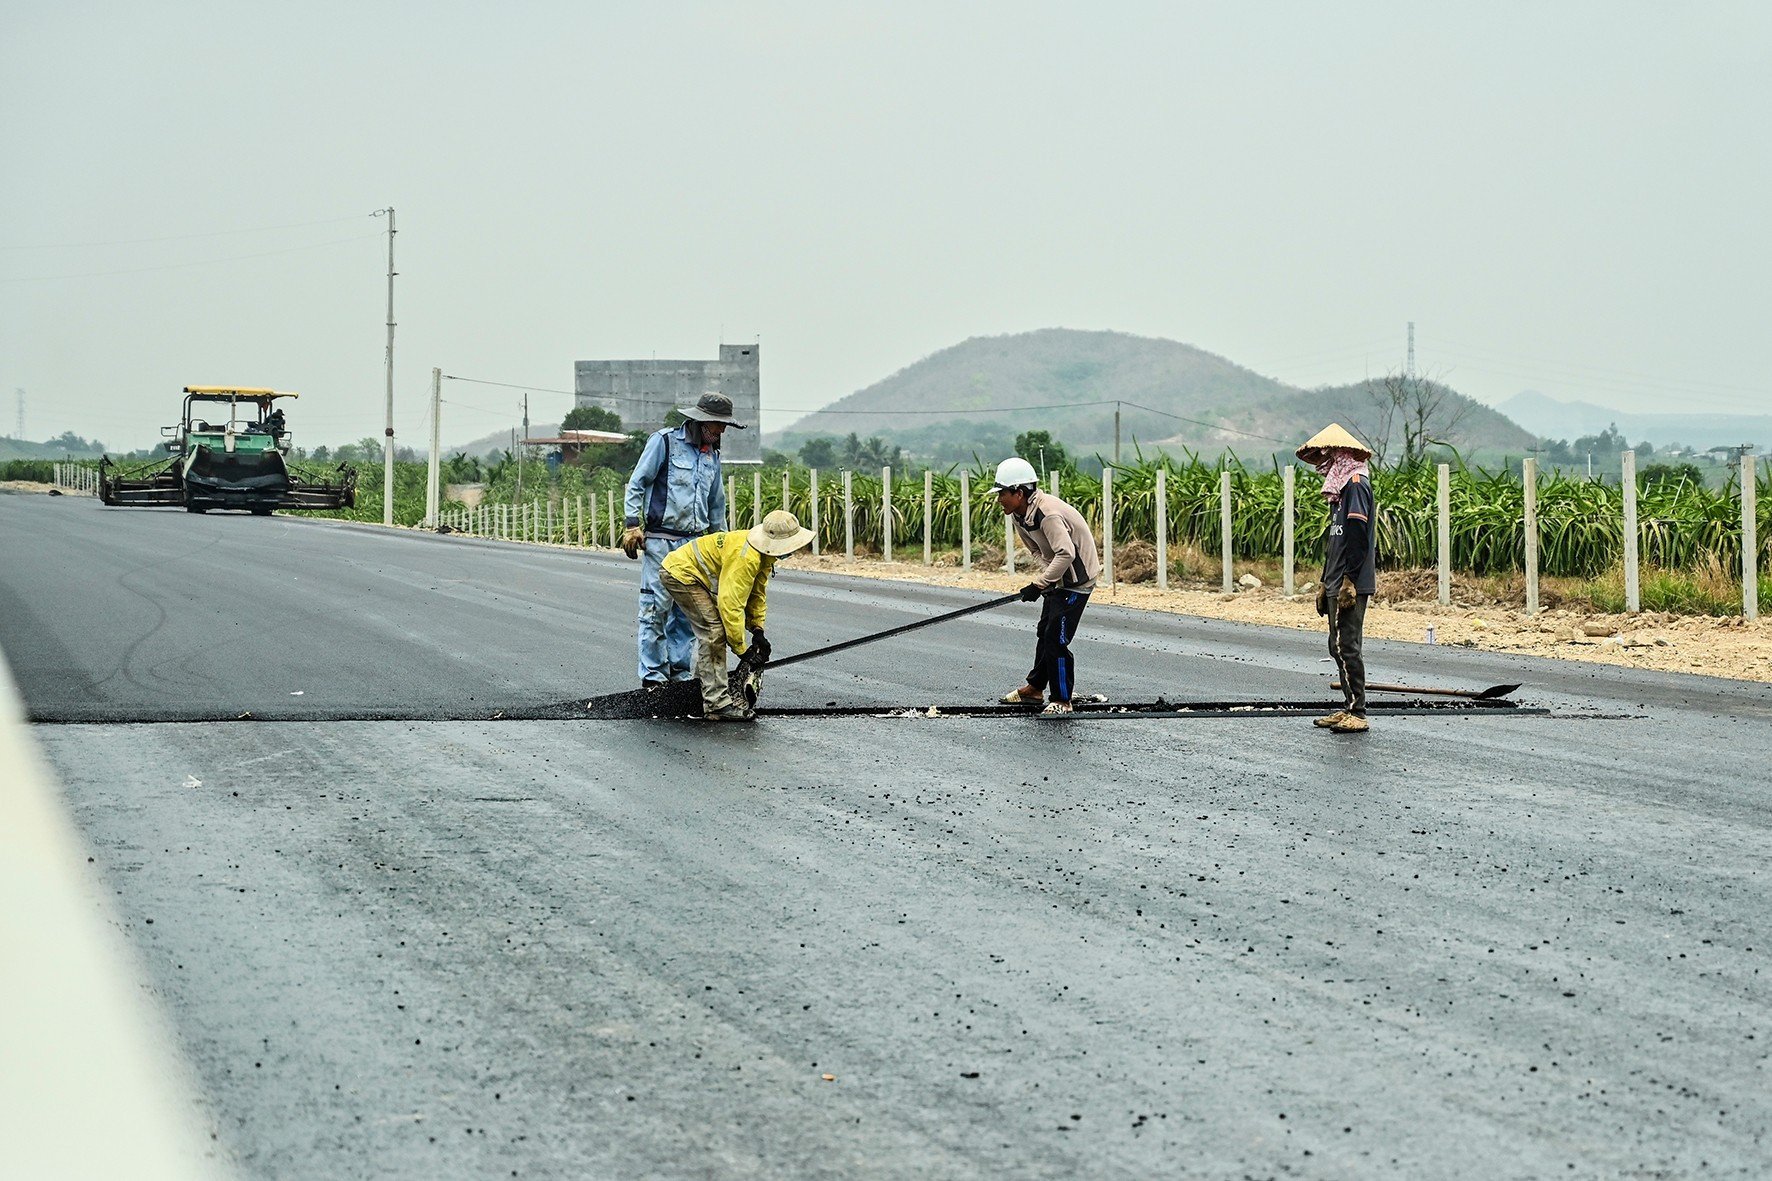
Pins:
x: 1056, y: 709
x: 731, y: 713
x: 1026, y: 695
x: 1328, y: 721
x: 1351, y: 724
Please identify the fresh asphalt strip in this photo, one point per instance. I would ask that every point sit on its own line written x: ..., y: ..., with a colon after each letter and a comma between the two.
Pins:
x: 637, y: 705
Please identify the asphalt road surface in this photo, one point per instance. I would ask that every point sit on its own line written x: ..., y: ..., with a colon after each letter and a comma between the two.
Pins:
x: 1501, y: 945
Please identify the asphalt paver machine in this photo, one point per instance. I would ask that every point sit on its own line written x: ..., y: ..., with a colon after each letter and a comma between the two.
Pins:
x: 229, y: 450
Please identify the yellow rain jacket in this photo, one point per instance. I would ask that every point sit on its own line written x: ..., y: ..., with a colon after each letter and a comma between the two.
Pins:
x: 736, y: 575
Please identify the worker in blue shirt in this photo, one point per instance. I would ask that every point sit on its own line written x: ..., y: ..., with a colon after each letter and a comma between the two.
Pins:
x: 675, y: 495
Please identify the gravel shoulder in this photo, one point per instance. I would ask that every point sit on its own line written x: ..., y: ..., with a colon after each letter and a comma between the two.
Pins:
x: 1718, y: 647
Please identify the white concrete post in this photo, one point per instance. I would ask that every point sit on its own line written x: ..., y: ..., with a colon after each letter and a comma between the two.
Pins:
x: 1750, y: 541
x: 1052, y: 478
x: 965, y: 519
x: 614, y: 521
x: 848, y: 518
x: 1289, y: 533
x: 1633, y: 591
x: 787, y: 489
x: 1443, y: 534
x: 731, y: 503
x: 812, y: 495
x: 1529, y: 478
x: 1163, y: 527
x: 885, y: 514
x: 1224, y: 526
x: 595, y: 540
x: 1008, y: 543
x: 550, y: 537
x: 1107, y: 526
x: 928, y: 507
x: 756, y: 498
x: 432, y: 500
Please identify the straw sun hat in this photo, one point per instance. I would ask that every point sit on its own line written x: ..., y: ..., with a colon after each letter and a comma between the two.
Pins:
x: 779, y: 534
x: 1331, y: 437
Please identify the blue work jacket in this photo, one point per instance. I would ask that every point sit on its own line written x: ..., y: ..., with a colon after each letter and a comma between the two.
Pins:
x: 676, y: 489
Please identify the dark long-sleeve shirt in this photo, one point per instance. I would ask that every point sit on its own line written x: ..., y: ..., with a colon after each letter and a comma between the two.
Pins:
x: 1353, y: 514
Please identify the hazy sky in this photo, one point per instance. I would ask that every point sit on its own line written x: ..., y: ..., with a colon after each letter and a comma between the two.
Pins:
x: 1568, y: 197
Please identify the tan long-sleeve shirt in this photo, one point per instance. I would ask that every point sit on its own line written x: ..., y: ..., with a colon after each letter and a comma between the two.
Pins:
x: 1059, y: 536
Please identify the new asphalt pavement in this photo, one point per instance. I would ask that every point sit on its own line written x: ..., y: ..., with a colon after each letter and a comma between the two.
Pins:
x: 399, y: 938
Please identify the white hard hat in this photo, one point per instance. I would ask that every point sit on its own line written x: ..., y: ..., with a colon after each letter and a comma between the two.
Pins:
x: 1014, y: 472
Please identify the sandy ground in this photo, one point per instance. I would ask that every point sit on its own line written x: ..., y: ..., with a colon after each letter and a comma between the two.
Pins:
x: 1726, y: 647
x: 25, y: 486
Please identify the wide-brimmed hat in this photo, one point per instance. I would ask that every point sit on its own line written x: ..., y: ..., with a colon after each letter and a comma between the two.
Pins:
x: 712, y: 407
x: 1330, y: 438
x: 779, y: 534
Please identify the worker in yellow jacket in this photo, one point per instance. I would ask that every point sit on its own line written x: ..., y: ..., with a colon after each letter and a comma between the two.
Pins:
x: 720, y: 581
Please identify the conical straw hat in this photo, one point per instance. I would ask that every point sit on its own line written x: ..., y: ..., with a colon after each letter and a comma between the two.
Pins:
x: 779, y: 534
x: 1317, y: 448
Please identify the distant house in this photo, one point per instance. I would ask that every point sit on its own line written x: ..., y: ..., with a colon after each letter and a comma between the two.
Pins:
x: 568, y: 446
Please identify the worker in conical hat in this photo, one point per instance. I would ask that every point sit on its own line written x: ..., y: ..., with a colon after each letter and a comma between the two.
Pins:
x: 1349, y: 563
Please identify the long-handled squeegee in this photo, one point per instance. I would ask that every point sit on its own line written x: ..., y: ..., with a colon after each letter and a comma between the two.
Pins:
x: 784, y: 661
x: 1489, y: 694
x: 746, y: 682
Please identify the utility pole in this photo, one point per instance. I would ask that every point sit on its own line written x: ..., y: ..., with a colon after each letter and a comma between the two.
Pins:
x: 1116, y: 434
x: 20, y: 435
x: 387, y: 448
x: 1409, y: 366
x: 518, y: 443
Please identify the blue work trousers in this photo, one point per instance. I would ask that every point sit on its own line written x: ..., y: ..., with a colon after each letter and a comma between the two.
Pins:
x: 667, y: 642
x: 1054, y: 666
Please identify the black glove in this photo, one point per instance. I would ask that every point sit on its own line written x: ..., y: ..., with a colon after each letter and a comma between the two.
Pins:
x: 1322, y: 599
x: 759, y: 651
x: 1030, y: 592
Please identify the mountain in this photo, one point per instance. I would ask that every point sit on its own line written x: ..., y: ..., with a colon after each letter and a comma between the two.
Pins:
x: 500, y: 440
x: 1065, y: 381
x: 1554, y: 418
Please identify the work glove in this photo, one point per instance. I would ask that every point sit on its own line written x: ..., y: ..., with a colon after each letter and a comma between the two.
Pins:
x: 758, y: 652
x: 631, y: 541
x: 1344, y: 598
x: 1030, y: 592
x: 1322, y: 599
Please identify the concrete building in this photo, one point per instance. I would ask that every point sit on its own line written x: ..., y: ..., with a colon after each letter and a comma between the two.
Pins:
x: 644, y: 392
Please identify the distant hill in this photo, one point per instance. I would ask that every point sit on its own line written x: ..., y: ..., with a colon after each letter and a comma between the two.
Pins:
x: 1173, y: 396
x: 499, y: 440
x: 1554, y: 418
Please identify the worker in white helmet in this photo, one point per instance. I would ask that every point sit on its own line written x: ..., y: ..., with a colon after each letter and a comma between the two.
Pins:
x: 1059, y: 538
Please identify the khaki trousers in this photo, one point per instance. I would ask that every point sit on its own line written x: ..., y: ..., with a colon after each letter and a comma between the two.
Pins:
x: 710, y: 639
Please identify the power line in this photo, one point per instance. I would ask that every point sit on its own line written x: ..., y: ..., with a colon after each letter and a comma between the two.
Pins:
x: 294, y: 225
x: 534, y: 389
x: 173, y: 266
x: 1200, y: 422
x: 980, y: 410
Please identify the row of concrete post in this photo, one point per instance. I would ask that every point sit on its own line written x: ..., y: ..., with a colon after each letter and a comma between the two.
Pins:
x: 536, y: 523
x: 73, y: 477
